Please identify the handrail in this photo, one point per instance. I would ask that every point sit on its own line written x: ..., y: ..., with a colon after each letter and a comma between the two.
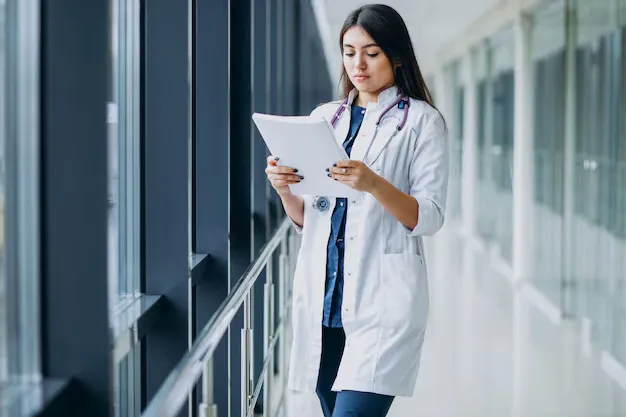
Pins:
x: 174, y: 391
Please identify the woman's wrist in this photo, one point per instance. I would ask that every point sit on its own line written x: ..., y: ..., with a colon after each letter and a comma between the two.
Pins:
x: 286, y: 194
x: 289, y: 199
x: 378, y: 183
x: 294, y: 207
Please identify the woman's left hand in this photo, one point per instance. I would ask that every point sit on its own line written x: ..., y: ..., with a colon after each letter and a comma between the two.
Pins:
x: 354, y: 174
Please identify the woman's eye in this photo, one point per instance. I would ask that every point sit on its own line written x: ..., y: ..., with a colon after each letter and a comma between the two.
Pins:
x: 347, y: 54
x: 373, y: 55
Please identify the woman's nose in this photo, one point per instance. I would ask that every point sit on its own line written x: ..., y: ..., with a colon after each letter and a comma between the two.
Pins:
x: 360, y: 62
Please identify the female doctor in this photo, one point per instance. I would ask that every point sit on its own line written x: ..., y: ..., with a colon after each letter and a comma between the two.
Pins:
x: 360, y: 291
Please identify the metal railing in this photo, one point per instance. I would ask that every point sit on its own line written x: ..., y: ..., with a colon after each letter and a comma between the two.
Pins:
x: 197, y: 361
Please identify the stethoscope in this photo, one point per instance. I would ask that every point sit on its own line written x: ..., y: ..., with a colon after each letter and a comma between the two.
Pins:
x: 322, y: 203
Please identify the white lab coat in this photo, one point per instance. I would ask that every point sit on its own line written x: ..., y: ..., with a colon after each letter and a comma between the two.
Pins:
x: 385, y: 293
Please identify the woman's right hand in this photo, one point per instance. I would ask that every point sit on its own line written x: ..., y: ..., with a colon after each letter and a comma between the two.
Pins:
x: 280, y: 177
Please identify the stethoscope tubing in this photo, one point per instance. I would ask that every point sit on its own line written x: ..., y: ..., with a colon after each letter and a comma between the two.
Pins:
x: 397, y: 101
x: 321, y: 203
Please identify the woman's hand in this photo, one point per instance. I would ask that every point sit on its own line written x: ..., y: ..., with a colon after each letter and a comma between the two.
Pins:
x: 355, y: 174
x: 281, y: 177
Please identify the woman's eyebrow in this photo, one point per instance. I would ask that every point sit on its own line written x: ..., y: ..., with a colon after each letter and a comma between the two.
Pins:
x: 366, y: 46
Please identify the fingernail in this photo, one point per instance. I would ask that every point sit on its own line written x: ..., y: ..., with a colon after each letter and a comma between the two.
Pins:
x: 327, y: 169
x: 301, y: 177
x: 329, y: 175
x: 334, y: 165
x: 295, y: 170
x: 276, y: 158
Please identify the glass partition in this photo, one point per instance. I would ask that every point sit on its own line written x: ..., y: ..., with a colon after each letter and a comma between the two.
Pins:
x: 3, y: 312
x: 484, y: 140
x: 618, y: 313
x: 123, y: 121
x: 19, y: 193
x: 124, y: 193
x: 548, y: 55
x: 598, y: 269
x: 498, y: 99
x: 456, y: 141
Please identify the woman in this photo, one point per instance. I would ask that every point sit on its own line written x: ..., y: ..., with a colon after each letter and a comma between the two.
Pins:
x: 360, y: 292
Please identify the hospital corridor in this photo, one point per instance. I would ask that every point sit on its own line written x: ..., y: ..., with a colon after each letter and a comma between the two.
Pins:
x: 490, y: 351
x: 457, y: 221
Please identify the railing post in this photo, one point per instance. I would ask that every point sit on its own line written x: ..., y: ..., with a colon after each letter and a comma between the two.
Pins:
x: 207, y: 407
x: 268, y: 331
x: 247, y: 353
x: 283, y: 274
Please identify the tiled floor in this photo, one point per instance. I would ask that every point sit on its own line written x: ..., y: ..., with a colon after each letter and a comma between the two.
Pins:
x: 489, y: 353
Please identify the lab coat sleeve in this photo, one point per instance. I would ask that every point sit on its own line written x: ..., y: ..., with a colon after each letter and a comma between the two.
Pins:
x: 297, y: 228
x: 428, y: 176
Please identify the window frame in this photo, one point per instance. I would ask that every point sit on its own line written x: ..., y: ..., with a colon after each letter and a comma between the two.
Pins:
x: 124, y: 154
x: 22, y: 234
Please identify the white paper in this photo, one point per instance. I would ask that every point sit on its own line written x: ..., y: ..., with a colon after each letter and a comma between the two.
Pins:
x: 307, y: 144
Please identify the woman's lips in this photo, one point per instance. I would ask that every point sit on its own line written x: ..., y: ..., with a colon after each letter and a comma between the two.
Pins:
x: 360, y: 78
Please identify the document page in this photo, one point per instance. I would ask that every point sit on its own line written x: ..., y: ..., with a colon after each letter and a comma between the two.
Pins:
x: 308, y: 144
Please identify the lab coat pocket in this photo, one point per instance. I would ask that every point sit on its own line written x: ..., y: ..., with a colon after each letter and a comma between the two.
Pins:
x: 405, y: 293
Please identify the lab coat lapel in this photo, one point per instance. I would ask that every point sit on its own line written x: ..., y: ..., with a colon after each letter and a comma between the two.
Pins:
x: 385, y: 134
x: 363, y: 139
x: 343, y: 127
x: 369, y: 135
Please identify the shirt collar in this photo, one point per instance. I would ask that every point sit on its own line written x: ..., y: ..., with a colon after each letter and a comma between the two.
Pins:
x: 385, y: 98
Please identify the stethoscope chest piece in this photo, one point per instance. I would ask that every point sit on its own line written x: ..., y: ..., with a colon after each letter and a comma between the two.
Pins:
x: 321, y: 203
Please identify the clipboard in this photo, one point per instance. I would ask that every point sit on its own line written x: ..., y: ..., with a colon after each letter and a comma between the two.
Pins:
x: 307, y: 143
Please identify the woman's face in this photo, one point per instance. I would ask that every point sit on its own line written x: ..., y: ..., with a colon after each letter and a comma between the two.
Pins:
x: 367, y: 66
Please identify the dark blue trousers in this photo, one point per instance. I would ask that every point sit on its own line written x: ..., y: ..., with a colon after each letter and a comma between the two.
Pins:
x: 344, y: 403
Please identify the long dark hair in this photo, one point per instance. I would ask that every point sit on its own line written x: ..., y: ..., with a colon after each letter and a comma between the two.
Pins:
x: 387, y: 28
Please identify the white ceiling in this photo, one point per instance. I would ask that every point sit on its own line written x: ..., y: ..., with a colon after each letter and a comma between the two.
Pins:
x: 431, y: 23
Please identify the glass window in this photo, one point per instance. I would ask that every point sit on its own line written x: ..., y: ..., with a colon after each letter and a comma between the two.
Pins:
x: 484, y: 139
x: 481, y: 98
x: 19, y: 191
x: 3, y: 321
x: 618, y: 345
x: 124, y: 194
x: 620, y: 173
x: 128, y: 392
x: 123, y: 121
x: 456, y: 128
x: 548, y: 57
x: 501, y: 97
x: 459, y: 98
x: 597, y: 230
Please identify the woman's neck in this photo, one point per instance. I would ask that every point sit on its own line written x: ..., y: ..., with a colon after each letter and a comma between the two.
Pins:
x: 364, y: 98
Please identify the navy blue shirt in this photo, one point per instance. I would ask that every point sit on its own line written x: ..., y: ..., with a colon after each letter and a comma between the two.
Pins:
x: 335, y: 248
